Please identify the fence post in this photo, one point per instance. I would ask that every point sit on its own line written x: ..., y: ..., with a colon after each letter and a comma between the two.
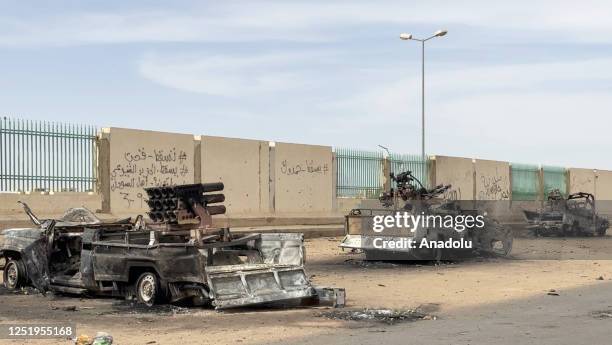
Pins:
x: 595, y: 177
x: 334, y: 182
x: 386, y: 170
x: 568, y: 181
x: 272, y: 174
x: 197, y: 159
x: 541, y: 185
x: 432, y: 171
x: 104, y: 169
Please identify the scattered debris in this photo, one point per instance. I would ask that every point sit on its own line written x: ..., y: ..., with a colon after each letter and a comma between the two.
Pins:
x: 370, y: 264
x: 26, y: 290
x: 388, y: 316
x: 428, y: 308
x: 103, y: 338
x: 83, y: 339
x: 131, y: 307
x: 602, y: 314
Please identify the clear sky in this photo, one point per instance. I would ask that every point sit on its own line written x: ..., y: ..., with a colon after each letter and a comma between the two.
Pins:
x: 523, y: 81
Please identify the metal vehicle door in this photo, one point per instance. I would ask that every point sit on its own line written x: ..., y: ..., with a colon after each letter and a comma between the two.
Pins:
x: 277, y: 277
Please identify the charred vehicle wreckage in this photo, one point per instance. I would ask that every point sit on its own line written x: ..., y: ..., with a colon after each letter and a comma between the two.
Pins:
x: 574, y: 215
x: 178, y: 256
x: 474, y: 231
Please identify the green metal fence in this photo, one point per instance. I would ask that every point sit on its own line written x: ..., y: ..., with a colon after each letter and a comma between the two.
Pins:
x: 414, y: 163
x: 359, y: 173
x: 525, y: 181
x: 554, y: 178
x: 46, y: 156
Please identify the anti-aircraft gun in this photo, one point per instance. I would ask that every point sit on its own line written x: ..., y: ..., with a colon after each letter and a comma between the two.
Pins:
x: 410, y: 197
x: 407, y: 190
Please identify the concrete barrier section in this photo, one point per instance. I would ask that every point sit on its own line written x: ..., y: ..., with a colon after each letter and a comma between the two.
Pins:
x: 302, y: 178
x: 603, y: 185
x: 48, y: 204
x: 581, y: 180
x: 139, y: 159
x: 459, y: 172
x: 244, y: 167
x: 492, y: 180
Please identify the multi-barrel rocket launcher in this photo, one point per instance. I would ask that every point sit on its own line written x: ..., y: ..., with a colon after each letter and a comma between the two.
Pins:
x: 188, y: 207
x: 185, y: 203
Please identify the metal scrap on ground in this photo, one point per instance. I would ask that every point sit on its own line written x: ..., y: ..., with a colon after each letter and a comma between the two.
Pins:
x: 388, y: 316
x: 575, y: 215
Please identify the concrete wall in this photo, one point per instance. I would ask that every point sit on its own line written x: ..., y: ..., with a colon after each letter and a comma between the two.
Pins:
x: 345, y: 205
x: 603, y: 185
x: 302, y: 178
x: 139, y: 159
x: 260, y: 180
x: 458, y: 172
x: 243, y: 166
x: 603, y: 192
x: 581, y: 180
x: 492, y: 180
x: 48, y: 204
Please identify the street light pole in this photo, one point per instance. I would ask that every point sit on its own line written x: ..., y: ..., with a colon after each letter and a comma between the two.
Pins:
x: 423, y: 100
x: 405, y: 36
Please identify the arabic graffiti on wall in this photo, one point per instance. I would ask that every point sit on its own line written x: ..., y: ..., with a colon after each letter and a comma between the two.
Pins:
x: 142, y: 168
x: 305, y: 167
x: 493, y: 188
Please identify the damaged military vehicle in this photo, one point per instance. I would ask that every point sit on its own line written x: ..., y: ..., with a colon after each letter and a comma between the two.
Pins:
x: 437, y: 240
x: 575, y: 215
x: 177, y: 256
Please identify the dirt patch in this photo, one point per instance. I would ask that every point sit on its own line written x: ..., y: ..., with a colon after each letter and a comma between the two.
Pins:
x: 129, y: 307
x: 370, y: 264
x: 388, y: 316
x: 409, y: 263
x: 21, y: 291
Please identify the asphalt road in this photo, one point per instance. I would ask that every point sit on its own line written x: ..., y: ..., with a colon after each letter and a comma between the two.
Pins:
x: 577, y: 316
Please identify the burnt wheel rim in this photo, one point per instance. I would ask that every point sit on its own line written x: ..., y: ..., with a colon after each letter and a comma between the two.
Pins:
x: 146, y: 288
x: 12, y: 275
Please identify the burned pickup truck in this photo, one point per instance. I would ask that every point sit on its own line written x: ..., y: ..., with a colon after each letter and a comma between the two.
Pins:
x: 456, y: 229
x: 575, y: 215
x: 178, y: 256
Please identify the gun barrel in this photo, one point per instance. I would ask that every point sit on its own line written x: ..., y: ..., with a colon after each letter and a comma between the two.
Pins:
x: 212, y: 187
x: 213, y: 198
x: 215, y: 209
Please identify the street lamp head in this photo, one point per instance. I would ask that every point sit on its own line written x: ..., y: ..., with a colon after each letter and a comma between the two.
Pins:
x: 440, y: 33
x: 406, y: 36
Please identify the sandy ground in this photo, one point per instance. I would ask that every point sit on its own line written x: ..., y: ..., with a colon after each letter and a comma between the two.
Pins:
x: 480, y: 301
